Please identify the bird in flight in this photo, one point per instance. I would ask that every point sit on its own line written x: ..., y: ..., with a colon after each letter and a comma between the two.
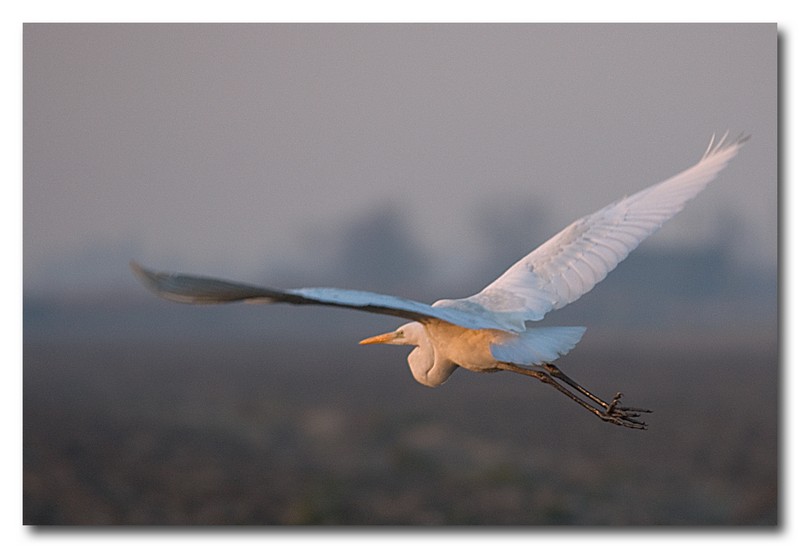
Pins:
x: 493, y: 330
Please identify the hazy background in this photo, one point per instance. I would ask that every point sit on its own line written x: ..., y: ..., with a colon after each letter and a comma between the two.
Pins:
x: 420, y: 160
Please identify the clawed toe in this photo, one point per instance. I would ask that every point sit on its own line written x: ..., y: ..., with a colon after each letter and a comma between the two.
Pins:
x: 624, y: 416
x: 614, y: 402
x: 624, y: 420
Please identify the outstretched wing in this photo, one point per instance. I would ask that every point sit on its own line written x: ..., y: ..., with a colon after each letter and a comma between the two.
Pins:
x: 570, y: 263
x: 201, y: 290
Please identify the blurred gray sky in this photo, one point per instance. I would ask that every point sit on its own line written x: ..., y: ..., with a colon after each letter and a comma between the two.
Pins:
x: 290, y: 153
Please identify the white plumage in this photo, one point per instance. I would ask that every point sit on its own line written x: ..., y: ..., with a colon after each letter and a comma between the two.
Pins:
x: 572, y: 262
x: 538, y: 345
x: 490, y: 330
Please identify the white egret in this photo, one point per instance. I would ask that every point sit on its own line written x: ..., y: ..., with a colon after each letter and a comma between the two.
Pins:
x: 491, y: 330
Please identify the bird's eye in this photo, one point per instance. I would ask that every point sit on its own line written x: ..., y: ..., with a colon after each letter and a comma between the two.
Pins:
x: 400, y: 333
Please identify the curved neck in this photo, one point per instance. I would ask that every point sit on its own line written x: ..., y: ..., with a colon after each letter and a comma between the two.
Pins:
x: 427, y: 367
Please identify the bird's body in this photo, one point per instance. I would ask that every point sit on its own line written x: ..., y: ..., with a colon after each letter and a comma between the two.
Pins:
x: 442, y: 347
x: 492, y: 330
x: 467, y: 348
x: 452, y: 346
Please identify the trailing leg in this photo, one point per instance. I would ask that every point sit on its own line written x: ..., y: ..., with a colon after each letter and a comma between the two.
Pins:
x: 556, y: 373
x: 608, y: 412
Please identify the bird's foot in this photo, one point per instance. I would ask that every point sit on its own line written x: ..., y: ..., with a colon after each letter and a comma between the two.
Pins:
x: 623, y: 416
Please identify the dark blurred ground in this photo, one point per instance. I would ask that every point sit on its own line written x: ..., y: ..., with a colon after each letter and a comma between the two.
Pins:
x: 259, y: 429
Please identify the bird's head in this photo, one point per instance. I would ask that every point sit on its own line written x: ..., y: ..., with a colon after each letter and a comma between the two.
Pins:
x: 421, y: 360
x: 410, y: 333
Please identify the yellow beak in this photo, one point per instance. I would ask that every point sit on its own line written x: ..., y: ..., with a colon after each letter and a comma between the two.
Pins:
x: 380, y: 339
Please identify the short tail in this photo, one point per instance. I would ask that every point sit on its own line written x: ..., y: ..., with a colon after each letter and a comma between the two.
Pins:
x: 538, y: 345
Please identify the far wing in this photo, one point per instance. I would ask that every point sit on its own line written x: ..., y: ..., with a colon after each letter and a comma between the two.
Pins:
x: 570, y: 263
x: 202, y: 290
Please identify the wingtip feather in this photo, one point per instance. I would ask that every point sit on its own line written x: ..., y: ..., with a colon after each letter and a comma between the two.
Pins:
x: 716, y: 146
